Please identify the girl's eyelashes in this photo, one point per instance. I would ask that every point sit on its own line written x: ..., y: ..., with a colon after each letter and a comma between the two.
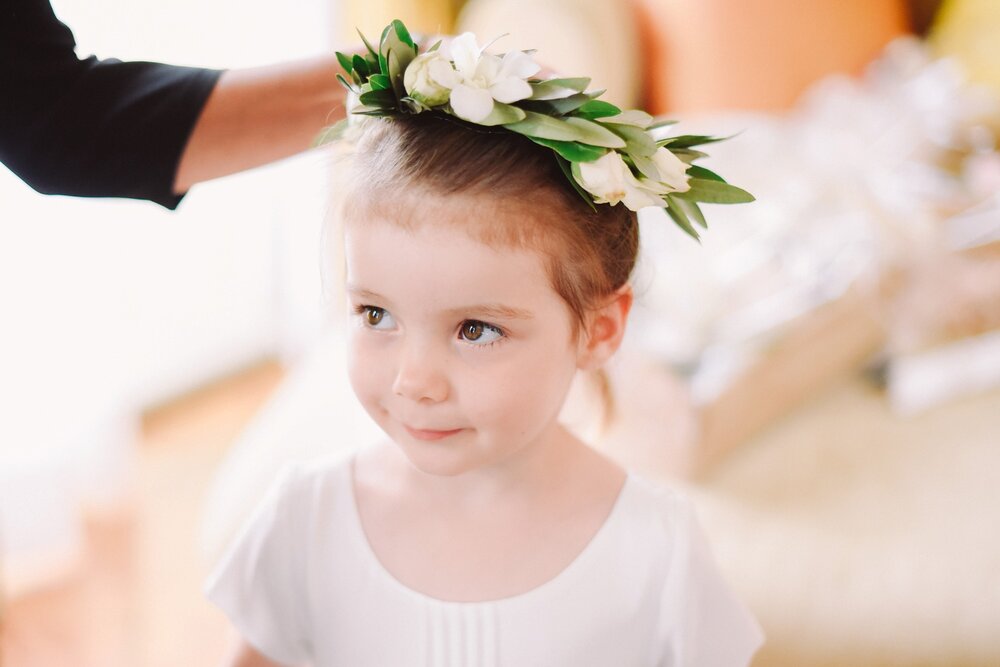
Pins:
x: 479, y: 333
x: 475, y: 332
x: 374, y: 317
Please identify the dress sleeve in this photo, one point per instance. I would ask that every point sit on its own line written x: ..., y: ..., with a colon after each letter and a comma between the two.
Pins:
x: 260, y: 581
x: 89, y: 127
x: 703, y: 623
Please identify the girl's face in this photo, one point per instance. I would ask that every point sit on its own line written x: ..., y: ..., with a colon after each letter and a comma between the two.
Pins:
x: 461, y: 352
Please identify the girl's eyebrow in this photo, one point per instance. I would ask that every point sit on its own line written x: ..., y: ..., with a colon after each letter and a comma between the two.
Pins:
x: 363, y: 293
x: 488, y: 310
x: 492, y: 310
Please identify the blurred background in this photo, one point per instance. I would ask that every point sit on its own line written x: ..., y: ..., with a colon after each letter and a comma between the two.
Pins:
x: 822, y: 373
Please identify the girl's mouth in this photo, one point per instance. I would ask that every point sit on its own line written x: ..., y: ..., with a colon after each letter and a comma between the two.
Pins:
x: 427, y: 434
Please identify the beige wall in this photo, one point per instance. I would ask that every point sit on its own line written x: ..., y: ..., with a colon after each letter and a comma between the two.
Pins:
x: 370, y: 16
x: 758, y: 54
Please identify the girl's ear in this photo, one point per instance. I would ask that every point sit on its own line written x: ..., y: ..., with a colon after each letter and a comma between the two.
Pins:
x: 604, y: 330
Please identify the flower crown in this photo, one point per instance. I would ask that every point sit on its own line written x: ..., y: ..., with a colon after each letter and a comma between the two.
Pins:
x: 607, y: 154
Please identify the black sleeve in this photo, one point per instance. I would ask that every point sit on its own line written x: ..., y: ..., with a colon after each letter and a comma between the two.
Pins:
x: 90, y: 128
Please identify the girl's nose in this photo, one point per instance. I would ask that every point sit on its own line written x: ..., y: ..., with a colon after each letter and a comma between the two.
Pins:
x: 420, y: 377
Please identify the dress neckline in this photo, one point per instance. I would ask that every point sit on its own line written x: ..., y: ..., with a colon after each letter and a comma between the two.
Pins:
x: 578, y: 562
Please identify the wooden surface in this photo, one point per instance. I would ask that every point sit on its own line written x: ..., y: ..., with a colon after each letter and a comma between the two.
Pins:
x: 136, y: 599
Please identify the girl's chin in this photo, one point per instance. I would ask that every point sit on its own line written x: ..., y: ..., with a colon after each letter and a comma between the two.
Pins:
x: 439, y: 465
x: 441, y: 458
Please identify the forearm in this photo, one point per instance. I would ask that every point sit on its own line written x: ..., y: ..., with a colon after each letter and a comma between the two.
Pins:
x: 258, y: 115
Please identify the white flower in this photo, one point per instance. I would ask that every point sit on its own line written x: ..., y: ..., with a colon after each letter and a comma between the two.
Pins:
x: 430, y: 78
x: 611, y: 181
x: 672, y: 170
x: 483, y: 78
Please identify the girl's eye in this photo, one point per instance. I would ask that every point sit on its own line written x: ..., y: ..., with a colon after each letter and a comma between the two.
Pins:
x: 375, y: 317
x: 480, y: 333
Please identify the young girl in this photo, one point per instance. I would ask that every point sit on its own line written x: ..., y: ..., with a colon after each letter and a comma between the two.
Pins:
x: 481, y: 533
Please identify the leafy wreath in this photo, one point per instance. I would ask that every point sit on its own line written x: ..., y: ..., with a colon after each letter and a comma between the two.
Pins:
x: 609, y: 155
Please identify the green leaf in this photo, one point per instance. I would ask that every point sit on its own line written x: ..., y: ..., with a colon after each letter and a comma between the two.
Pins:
x: 714, y: 192
x: 356, y: 78
x: 557, y: 88
x: 694, y: 171
x: 597, y: 109
x: 380, y: 98
x: 331, y: 133
x: 413, y: 106
x: 637, y: 140
x: 595, y: 134
x: 686, y: 155
x: 392, y: 43
x: 395, y: 73
x: 371, y: 49
x: 366, y: 110
x: 361, y: 66
x: 657, y: 124
x: 403, y: 34
x: 383, y: 64
x: 380, y: 82
x: 634, y: 117
x: 437, y: 45
x: 345, y: 84
x: 578, y: 83
x: 688, y: 208
x: 405, y: 53
x: 345, y: 61
x: 682, y: 221
x: 503, y: 114
x: 572, y: 150
x: 567, y: 170
x: 556, y: 107
x: 689, y: 140
x: 383, y: 37
x: 568, y: 129
x: 645, y: 166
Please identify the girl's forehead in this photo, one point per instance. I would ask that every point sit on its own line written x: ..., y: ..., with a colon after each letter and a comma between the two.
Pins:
x: 500, y: 222
x: 441, y: 266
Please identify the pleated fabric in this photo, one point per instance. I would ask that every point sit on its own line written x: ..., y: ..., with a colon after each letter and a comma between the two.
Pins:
x: 303, y: 585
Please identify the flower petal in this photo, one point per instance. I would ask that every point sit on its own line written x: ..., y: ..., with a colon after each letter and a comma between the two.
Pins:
x: 519, y: 64
x: 488, y: 69
x: 465, y: 54
x: 471, y: 104
x: 510, y: 90
x: 442, y: 73
x: 604, y: 178
x: 639, y: 198
x: 673, y: 171
x: 637, y: 195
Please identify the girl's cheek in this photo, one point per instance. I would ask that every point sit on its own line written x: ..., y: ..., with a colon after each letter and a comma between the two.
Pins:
x: 367, y: 361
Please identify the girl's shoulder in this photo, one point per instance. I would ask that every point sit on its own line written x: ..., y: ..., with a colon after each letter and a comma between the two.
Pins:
x: 662, y: 513
x: 308, y: 483
x: 660, y: 501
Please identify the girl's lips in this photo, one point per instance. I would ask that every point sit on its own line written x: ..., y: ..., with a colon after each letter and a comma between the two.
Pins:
x: 422, y: 434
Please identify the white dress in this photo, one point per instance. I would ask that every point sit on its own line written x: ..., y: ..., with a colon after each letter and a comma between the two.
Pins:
x: 303, y: 586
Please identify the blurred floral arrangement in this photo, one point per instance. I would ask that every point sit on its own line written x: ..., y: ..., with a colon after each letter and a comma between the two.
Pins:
x: 888, y: 184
